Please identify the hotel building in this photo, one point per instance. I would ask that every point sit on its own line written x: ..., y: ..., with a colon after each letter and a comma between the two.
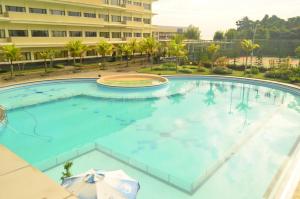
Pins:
x: 35, y: 25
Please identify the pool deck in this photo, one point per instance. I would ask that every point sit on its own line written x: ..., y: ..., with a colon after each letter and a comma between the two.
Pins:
x: 18, y: 179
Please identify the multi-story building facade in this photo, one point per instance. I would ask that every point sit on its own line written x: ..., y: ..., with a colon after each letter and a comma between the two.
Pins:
x: 165, y: 33
x: 35, y: 25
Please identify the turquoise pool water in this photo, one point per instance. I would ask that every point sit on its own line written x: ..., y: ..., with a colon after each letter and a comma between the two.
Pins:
x: 191, y: 138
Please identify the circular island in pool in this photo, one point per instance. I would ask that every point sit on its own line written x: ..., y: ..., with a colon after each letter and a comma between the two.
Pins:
x: 133, y: 81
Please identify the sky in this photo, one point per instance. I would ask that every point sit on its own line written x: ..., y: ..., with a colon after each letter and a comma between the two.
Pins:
x: 213, y: 15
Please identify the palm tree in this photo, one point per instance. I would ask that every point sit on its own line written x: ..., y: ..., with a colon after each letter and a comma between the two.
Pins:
x: 134, y: 45
x: 213, y: 50
x: 178, y: 50
x: 104, y: 48
x: 125, y: 49
x: 75, y: 48
x: 45, y: 56
x: 248, y: 46
x: 12, y: 53
x: 151, y: 46
x: 84, y: 48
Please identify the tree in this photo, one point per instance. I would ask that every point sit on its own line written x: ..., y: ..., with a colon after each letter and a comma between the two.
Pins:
x: 151, y: 47
x: 178, y: 50
x: 248, y: 46
x: 12, y: 54
x: 213, y: 50
x: 219, y: 36
x: 297, y: 51
x: 231, y: 34
x: 134, y: 45
x: 142, y: 48
x: 104, y: 48
x: 192, y: 33
x: 76, y: 48
x: 45, y: 56
x: 125, y: 49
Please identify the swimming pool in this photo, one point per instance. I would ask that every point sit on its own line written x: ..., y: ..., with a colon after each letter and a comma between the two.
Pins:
x: 191, y: 137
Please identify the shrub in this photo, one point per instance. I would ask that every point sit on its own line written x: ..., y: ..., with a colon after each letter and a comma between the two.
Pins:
x: 201, y: 69
x: 158, y: 68
x: 192, y: 67
x: 222, y: 70
x: 207, y: 64
x: 3, y: 70
x: 186, y: 71
x: 236, y: 67
x: 279, y: 74
x: 253, y: 71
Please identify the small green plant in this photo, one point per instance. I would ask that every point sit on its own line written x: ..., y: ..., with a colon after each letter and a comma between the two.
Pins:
x: 67, y: 170
x: 252, y: 71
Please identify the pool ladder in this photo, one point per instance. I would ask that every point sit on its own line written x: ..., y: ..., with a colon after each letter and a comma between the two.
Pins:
x: 3, y: 116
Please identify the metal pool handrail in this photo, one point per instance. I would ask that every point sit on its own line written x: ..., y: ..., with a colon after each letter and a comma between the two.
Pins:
x: 3, y: 116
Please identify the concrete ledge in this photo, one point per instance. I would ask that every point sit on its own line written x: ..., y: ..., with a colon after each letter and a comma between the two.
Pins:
x: 18, y: 179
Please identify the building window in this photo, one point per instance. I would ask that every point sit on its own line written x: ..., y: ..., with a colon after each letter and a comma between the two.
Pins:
x: 146, y: 35
x: 15, y: 9
x: 136, y: 3
x: 18, y: 33
x: 147, y: 21
x: 58, y: 12
x: 115, y: 2
x: 104, y: 34
x: 115, y: 18
x: 75, y: 34
x: 89, y: 15
x: 137, y: 19
x: 39, y: 33
x: 59, y: 33
x: 74, y: 14
x: 137, y: 34
x: 116, y: 35
x: 127, y: 34
x: 90, y: 34
x: 127, y: 2
x: 2, y: 33
x: 104, y: 17
x: 126, y: 18
x: 38, y: 10
x: 147, y: 6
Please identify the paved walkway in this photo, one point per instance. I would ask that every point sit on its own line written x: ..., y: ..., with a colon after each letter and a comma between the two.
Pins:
x: 20, y: 180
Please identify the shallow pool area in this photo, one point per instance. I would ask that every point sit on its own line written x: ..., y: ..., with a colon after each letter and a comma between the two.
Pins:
x: 197, y: 137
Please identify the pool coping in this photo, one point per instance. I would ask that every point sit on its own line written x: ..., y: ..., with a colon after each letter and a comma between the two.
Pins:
x: 263, y: 82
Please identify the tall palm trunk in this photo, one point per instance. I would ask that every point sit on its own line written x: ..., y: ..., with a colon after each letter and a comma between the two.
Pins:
x: 74, y: 60
x: 246, y: 65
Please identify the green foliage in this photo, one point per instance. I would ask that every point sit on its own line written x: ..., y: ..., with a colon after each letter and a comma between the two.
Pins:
x: 12, y: 54
x: 272, y: 28
x: 219, y: 36
x: 288, y: 74
x: 67, y: 170
x: 186, y: 71
x: 104, y: 48
x: 201, y: 69
x: 222, y: 70
x: 192, y: 33
x: 253, y: 71
x: 77, y: 49
x: 231, y: 34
